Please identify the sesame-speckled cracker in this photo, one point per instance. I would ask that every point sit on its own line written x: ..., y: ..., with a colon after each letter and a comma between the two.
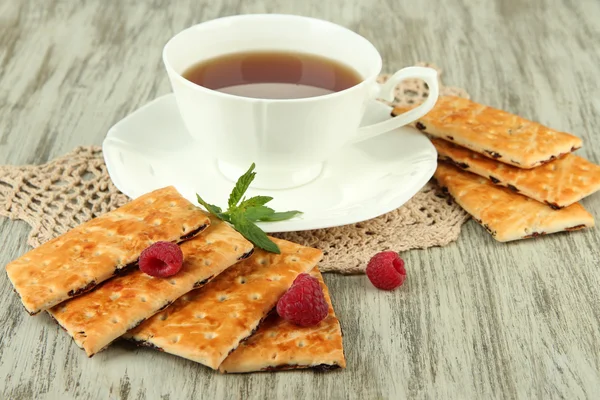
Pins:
x: 281, y: 345
x: 89, y: 254
x: 494, y: 133
x: 559, y: 183
x: 507, y: 215
x: 96, y: 319
x: 208, y: 324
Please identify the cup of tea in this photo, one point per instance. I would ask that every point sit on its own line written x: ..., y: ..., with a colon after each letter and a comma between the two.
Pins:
x: 283, y: 91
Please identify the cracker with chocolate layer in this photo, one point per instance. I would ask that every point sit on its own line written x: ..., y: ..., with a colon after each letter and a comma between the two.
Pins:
x: 505, y: 214
x: 559, y: 184
x: 281, y: 345
x: 494, y: 133
x: 101, y: 316
x: 93, y: 252
x: 208, y: 324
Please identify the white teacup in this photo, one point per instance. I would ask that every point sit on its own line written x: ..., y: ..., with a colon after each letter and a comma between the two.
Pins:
x: 288, y: 139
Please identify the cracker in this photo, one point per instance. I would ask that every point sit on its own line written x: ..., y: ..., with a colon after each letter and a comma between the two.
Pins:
x: 101, y: 316
x: 558, y: 184
x: 494, y: 133
x: 89, y: 254
x: 208, y: 324
x: 507, y: 215
x: 281, y: 345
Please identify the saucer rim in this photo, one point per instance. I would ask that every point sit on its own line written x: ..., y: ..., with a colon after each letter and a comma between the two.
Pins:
x: 298, y: 223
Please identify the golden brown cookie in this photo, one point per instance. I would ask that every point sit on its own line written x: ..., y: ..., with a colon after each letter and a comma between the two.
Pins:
x: 559, y: 183
x: 208, y: 324
x: 89, y: 254
x: 95, y: 319
x: 281, y: 345
x: 507, y: 215
x: 494, y: 133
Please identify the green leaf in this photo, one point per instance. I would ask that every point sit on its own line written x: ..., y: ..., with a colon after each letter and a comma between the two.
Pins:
x: 242, y: 212
x: 258, y: 213
x: 280, y: 216
x: 241, y: 186
x: 211, y: 208
x: 253, y: 233
x: 224, y: 217
x: 255, y: 201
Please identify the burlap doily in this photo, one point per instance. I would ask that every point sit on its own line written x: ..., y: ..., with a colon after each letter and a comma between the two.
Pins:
x: 72, y: 189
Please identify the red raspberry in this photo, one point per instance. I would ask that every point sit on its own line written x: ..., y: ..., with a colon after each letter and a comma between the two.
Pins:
x: 304, y: 303
x: 386, y: 270
x: 161, y: 259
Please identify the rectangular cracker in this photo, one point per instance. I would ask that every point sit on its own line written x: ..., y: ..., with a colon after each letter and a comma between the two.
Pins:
x: 101, y: 316
x: 494, y: 133
x: 208, y: 324
x: 281, y: 345
x: 507, y: 215
x: 89, y: 254
x: 558, y: 184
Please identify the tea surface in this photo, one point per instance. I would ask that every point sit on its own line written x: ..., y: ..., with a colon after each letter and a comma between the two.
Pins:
x: 273, y: 75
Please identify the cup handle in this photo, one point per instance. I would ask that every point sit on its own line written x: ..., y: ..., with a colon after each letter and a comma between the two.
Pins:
x: 386, y: 92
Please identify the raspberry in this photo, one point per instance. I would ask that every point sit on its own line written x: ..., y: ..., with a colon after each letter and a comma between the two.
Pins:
x: 304, y: 303
x: 386, y: 270
x: 161, y: 259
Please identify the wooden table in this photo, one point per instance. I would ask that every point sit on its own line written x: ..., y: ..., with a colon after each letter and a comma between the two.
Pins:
x: 476, y: 319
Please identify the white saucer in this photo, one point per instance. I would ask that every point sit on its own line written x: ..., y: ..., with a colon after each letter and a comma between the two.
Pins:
x: 360, y: 182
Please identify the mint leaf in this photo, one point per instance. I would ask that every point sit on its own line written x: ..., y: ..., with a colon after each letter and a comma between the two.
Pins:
x: 211, y: 208
x: 253, y: 233
x: 255, y: 201
x: 280, y: 216
x: 258, y: 212
x: 241, y: 186
x: 242, y: 213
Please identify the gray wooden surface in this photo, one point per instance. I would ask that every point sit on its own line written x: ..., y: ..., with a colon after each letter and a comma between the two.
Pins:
x: 476, y: 319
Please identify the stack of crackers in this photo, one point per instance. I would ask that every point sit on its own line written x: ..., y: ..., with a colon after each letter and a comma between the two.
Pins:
x: 217, y: 310
x: 517, y: 178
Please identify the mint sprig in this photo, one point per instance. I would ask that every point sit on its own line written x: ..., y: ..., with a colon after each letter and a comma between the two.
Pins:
x: 252, y: 232
x: 242, y: 213
x: 241, y: 186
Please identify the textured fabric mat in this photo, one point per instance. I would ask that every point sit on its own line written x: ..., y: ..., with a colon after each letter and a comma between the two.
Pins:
x: 72, y: 189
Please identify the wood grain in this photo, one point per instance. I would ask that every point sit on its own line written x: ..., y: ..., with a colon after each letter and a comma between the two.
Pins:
x: 476, y: 319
